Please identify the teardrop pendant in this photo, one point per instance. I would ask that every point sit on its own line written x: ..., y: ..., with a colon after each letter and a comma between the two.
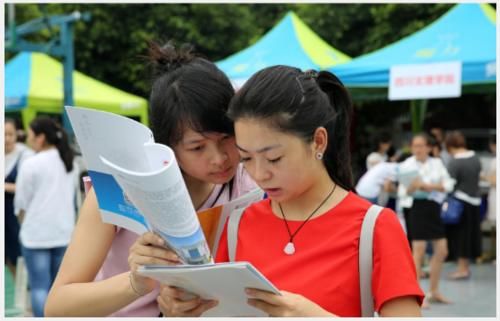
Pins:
x: 289, y: 248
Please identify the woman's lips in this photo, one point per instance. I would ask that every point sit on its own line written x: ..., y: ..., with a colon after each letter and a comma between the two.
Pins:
x: 273, y: 192
x: 223, y: 173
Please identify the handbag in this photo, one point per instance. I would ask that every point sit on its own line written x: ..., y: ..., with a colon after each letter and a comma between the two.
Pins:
x: 451, y: 210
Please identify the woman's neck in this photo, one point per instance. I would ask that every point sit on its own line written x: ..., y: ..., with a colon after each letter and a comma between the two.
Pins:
x: 9, y: 149
x: 46, y: 147
x: 302, y: 206
x: 199, y: 191
x: 460, y: 150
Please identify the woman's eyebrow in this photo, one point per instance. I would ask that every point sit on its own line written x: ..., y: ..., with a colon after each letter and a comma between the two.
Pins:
x: 260, y: 150
x: 193, y: 141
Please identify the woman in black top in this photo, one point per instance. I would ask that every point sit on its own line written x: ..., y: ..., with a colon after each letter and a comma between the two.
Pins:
x: 464, y: 238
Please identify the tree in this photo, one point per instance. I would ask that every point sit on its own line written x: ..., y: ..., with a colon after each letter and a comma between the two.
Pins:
x: 113, y: 45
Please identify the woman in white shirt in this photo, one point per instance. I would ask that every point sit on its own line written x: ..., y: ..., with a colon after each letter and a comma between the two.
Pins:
x: 44, y: 203
x: 15, y: 154
x: 426, y: 193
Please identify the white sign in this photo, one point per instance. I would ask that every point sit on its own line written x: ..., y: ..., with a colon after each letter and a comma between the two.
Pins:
x: 423, y: 81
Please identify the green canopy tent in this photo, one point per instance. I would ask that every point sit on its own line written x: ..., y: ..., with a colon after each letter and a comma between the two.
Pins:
x: 34, y: 84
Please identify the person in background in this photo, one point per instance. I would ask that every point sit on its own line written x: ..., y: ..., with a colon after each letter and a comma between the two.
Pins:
x: 374, y: 182
x: 491, y: 217
x: 15, y: 154
x: 292, y: 132
x: 188, y: 102
x: 435, y: 147
x: 427, y: 191
x: 464, y: 238
x: 44, y: 204
x: 382, y: 144
x: 438, y: 134
x: 491, y: 177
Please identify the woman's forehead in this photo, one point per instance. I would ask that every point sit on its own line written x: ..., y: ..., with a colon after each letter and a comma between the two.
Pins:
x: 190, y: 135
x: 10, y: 126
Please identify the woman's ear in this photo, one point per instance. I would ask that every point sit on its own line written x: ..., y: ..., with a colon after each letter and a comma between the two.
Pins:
x: 320, y: 140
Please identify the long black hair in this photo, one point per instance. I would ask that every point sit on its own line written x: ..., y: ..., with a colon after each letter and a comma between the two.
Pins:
x: 299, y: 102
x: 187, y: 90
x: 54, y: 135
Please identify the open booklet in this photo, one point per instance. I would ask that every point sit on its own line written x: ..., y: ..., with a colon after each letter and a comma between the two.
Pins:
x: 406, y: 175
x: 225, y: 282
x: 139, y: 185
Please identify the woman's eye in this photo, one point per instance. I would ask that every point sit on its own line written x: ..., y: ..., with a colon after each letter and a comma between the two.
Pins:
x: 244, y: 159
x: 195, y: 149
x: 273, y: 161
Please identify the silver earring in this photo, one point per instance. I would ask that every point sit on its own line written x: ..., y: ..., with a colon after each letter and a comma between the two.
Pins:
x: 319, y: 155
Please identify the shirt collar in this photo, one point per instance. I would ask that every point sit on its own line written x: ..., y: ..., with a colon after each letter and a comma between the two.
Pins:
x: 466, y: 154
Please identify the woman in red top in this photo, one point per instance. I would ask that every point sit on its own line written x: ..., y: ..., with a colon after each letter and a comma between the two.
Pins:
x: 292, y: 133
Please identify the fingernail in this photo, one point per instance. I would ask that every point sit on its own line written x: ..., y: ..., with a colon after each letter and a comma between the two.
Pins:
x: 161, y: 241
x: 249, y: 291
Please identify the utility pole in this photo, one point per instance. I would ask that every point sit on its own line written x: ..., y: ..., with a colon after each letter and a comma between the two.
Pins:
x: 61, y: 46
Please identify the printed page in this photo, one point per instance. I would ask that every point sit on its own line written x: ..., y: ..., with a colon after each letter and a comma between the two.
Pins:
x: 138, y: 183
x: 102, y: 133
x: 225, y: 282
x: 162, y: 197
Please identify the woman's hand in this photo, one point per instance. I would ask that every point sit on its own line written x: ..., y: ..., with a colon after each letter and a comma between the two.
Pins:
x: 148, y: 249
x: 174, y: 302
x: 285, y: 305
x: 415, y: 185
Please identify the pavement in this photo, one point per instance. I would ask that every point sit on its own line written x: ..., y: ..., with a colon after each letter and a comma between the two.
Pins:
x: 473, y: 297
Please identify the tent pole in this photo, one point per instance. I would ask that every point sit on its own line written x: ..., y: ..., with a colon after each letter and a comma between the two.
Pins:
x: 418, y: 109
x: 68, y: 67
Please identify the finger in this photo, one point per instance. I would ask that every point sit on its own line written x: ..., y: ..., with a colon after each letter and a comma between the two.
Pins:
x: 140, y: 256
x: 185, y: 307
x: 170, y: 302
x: 179, y: 306
x: 157, y: 252
x: 176, y: 293
x: 151, y: 238
x: 204, y: 306
x: 265, y: 296
x: 165, y: 307
x: 270, y: 309
x: 137, y: 260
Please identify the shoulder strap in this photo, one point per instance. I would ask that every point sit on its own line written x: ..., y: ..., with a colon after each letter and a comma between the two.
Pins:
x: 366, y: 260
x: 232, y: 232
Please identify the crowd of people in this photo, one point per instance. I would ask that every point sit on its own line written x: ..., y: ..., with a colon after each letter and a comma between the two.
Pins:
x: 285, y: 131
x: 437, y: 165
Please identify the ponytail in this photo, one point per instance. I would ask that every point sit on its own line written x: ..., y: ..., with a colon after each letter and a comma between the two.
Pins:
x: 337, y: 156
x: 54, y: 135
x: 65, y: 152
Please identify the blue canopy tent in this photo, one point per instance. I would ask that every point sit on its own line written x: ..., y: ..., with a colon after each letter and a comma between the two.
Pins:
x: 290, y: 42
x: 466, y: 33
